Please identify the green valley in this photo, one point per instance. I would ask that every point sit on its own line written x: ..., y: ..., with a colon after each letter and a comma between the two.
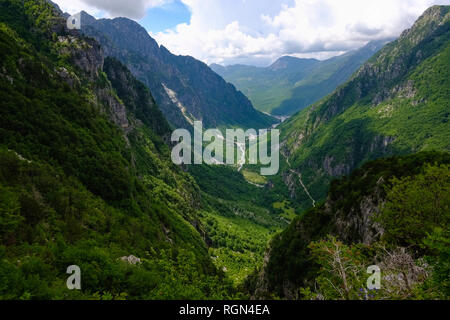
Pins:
x: 87, y: 177
x: 291, y: 84
x: 397, y: 103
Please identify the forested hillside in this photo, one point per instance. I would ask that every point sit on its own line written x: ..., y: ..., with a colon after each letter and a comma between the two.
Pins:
x: 393, y: 213
x: 85, y: 176
x: 397, y: 103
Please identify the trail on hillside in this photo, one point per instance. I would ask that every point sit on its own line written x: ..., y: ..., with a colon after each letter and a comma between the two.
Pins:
x: 299, y: 175
x: 304, y: 187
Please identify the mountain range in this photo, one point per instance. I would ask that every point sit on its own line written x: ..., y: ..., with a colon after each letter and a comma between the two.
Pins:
x: 184, y: 88
x: 86, y: 176
x: 396, y: 103
x: 291, y: 84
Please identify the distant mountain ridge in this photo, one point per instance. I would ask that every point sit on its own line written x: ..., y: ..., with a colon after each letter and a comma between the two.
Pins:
x: 291, y: 84
x: 184, y: 88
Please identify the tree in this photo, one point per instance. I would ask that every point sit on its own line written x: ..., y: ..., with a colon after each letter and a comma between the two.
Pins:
x: 438, y: 243
x: 10, y: 217
x: 416, y: 205
x: 341, y: 274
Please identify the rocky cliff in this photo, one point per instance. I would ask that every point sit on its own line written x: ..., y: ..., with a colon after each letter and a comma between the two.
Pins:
x: 184, y: 88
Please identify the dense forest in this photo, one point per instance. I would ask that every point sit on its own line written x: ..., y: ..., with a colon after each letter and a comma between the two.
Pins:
x: 393, y: 213
x: 86, y: 179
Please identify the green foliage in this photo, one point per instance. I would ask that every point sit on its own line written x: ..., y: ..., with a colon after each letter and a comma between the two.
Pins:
x: 438, y: 243
x: 254, y: 177
x: 237, y: 244
x: 238, y: 218
x: 291, y: 84
x: 417, y: 205
x: 378, y: 112
x: 53, y: 218
x: 421, y: 180
x: 342, y: 273
x: 78, y: 189
x: 10, y: 217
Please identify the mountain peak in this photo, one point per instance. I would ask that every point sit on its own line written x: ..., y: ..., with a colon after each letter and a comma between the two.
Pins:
x: 286, y: 62
x: 87, y: 19
x: 436, y: 12
x: 178, y: 82
x: 429, y: 21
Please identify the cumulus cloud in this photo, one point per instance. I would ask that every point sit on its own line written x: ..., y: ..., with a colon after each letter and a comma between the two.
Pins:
x: 134, y: 9
x: 259, y: 31
x: 75, y: 6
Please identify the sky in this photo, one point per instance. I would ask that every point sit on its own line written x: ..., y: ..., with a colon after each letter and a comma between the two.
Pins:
x: 257, y: 32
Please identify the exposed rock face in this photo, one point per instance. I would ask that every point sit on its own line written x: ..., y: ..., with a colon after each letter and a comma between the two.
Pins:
x: 358, y: 224
x: 90, y: 58
x: 353, y: 225
x: 289, y: 181
x: 262, y: 285
x: 137, y: 97
x: 404, y: 90
x: 86, y: 53
x: 381, y: 143
x: 116, y: 110
x: 70, y: 78
x: 349, y: 214
x: 336, y: 170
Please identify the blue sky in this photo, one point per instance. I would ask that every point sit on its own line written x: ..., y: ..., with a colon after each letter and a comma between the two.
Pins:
x: 167, y: 16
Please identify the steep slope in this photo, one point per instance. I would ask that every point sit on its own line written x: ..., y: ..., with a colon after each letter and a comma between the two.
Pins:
x: 381, y: 207
x: 291, y: 84
x: 397, y: 103
x: 85, y: 176
x: 184, y: 88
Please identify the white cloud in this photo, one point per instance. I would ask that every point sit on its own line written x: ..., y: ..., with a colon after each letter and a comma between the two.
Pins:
x: 75, y: 6
x: 259, y: 31
x: 134, y: 9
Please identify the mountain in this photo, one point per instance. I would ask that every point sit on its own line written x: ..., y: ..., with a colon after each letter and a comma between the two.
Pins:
x: 184, y: 88
x: 86, y: 178
x: 396, y: 103
x: 291, y: 84
x: 392, y: 213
